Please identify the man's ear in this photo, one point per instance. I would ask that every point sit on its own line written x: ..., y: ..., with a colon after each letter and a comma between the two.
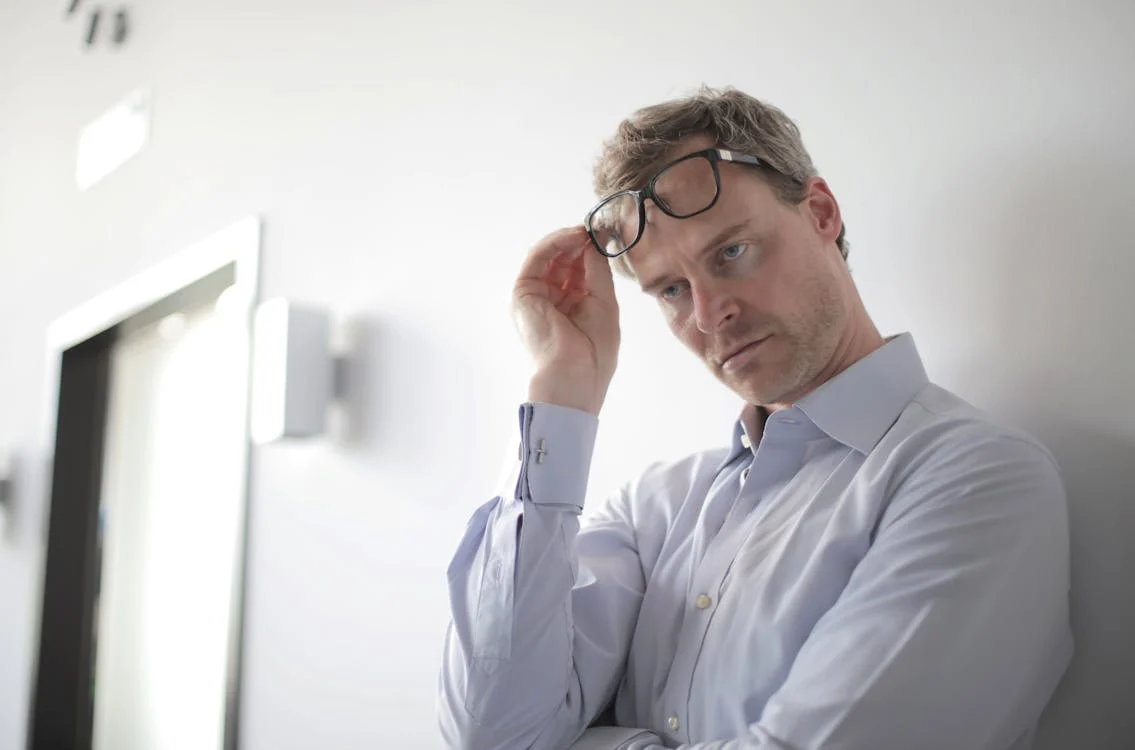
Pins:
x: 822, y: 209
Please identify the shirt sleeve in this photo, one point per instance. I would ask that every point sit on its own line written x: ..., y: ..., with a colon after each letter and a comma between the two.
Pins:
x: 542, y: 614
x: 953, y: 631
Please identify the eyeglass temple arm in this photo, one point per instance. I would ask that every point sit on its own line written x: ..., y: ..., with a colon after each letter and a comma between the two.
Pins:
x: 725, y: 155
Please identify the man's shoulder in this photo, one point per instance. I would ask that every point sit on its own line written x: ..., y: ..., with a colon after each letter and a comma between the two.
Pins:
x: 938, y: 419
x: 941, y: 435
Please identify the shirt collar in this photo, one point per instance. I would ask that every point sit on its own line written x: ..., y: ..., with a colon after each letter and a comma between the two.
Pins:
x: 859, y: 405
x: 742, y: 442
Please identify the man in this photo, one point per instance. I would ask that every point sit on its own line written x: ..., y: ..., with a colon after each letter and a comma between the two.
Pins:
x: 870, y: 564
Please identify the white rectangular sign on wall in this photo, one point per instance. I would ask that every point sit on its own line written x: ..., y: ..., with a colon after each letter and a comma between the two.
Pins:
x: 108, y: 142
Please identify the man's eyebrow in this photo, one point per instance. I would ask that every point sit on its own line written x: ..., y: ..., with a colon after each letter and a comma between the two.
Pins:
x: 722, y: 236
x: 709, y: 247
x: 652, y: 286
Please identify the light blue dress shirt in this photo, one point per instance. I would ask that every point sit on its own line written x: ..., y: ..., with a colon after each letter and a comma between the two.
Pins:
x: 884, y: 567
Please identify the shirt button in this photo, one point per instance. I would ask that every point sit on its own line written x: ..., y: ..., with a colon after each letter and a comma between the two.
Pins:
x: 673, y: 723
x: 744, y: 474
x: 703, y: 601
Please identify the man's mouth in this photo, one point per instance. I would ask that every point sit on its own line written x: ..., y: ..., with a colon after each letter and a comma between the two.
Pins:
x: 742, y: 355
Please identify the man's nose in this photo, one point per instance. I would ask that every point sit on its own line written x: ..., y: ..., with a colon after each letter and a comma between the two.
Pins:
x: 714, y: 306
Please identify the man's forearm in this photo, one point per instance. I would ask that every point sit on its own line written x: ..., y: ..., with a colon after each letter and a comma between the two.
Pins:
x: 508, y: 678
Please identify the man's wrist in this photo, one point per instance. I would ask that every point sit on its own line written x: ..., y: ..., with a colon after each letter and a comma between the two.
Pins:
x: 563, y: 390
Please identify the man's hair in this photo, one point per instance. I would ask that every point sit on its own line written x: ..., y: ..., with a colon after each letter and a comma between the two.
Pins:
x: 733, y: 120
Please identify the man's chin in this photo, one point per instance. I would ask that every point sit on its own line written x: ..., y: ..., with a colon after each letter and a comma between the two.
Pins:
x: 755, y: 389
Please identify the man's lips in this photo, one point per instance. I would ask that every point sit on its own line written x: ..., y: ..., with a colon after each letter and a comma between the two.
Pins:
x: 735, y: 356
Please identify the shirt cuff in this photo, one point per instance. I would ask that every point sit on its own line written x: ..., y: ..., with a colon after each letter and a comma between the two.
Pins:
x: 553, y: 459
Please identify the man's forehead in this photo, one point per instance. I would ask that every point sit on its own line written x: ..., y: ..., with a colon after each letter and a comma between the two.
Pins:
x: 731, y: 215
x: 730, y: 193
x: 682, y: 148
x: 685, y: 236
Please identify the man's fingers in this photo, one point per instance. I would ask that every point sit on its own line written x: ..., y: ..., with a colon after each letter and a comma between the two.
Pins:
x: 599, y: 277
x: 563, y: 245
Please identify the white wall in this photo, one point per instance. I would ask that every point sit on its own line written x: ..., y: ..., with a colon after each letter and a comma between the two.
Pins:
x: 404, y: 156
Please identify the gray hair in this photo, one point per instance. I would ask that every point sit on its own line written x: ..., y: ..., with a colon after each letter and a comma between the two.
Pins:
x: 733, y: 119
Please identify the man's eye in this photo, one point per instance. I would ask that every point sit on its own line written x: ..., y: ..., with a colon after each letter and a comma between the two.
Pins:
x: 733, y: 252
x: 671, y: 292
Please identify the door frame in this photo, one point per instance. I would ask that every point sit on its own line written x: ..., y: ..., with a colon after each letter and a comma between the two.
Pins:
x: 79, y: 348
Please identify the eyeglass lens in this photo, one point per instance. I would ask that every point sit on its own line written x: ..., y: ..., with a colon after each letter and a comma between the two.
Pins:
x: 682, y: 189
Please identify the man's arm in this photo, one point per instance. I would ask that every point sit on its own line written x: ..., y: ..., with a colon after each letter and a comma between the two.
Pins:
x: 542, y: 618
x: 953, y: 630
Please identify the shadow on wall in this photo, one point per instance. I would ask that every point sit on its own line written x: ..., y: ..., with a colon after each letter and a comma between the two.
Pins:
x: 1094, y: 701
x: 394, y: 375
x: 9, y: 478
x: 352, y: 415
x: 1064, y: 363
x: 25, y: 500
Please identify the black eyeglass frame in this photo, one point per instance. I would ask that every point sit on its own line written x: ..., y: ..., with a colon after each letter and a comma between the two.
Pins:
x: 712, y: 155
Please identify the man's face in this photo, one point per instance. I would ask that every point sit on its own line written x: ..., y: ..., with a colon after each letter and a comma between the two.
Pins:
x: 756, y: 288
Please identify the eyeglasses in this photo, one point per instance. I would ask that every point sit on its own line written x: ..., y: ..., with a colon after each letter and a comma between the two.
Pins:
x: 683, y: 188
